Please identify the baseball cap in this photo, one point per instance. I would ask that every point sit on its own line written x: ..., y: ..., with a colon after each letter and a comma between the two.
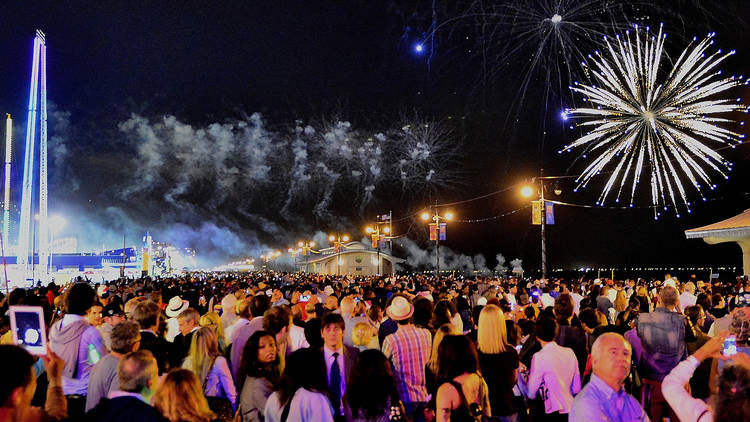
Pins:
x: 113, y: 309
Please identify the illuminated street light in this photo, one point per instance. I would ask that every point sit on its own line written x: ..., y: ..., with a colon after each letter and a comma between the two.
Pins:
x: 527, y: 191
x: 376, y: 236
x: 435, y: 231
x: 338, y: 243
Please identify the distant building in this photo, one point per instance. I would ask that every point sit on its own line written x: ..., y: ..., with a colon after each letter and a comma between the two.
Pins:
x: 355, y: 258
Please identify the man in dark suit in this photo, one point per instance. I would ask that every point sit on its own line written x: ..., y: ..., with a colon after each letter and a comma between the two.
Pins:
x: 340, y: 361
x: 146, y: 314
x: 188, y: 320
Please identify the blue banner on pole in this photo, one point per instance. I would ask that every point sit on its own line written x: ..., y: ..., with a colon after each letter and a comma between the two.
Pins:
x: 549, y: 211
x: 442, y: 231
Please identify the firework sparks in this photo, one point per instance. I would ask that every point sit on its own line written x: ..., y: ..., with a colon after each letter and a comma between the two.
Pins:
x: 636, y: 122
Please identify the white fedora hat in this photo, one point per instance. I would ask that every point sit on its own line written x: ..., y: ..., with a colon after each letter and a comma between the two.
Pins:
x: 175, y: 306
x: 400, y: 309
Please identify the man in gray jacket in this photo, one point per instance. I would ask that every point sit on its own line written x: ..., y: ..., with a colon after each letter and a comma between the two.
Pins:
x: 103, y: 379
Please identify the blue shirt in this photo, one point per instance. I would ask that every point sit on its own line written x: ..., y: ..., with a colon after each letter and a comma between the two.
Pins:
x: 600, y: 402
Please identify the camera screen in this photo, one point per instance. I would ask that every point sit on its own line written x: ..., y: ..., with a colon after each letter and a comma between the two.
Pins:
x: 28, y: 331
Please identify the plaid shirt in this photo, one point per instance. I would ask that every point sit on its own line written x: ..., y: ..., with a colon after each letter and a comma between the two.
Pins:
x: 409, y: 350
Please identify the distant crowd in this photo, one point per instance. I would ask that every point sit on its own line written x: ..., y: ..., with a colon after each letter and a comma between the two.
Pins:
x: 282, y: 347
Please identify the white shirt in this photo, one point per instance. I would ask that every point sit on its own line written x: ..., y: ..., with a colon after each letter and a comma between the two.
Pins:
x: 305, y: 406
x: 297, y: 339
x: 173, y: 328
x: 687, y: 408
x: 576, y: 302
x: 687, y: 299
x: 328, y: 355
x: 554, y: 372
x: 240, y: 322
x: 612, y: 295
x: 547, y: 300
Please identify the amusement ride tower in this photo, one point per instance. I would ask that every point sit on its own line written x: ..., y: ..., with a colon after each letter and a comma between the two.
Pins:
x: 37, y: 98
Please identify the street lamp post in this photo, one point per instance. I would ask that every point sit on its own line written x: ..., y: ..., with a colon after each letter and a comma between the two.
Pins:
x: 527, y: 192
x: 375, y: 232
x: 305, y: 248
x: 338, y: 242
x: 436, y: 218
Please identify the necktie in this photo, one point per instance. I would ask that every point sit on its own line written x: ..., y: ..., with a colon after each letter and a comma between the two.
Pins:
x: 334, y: 386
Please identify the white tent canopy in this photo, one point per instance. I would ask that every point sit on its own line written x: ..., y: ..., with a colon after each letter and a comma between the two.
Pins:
x: 734, y: 229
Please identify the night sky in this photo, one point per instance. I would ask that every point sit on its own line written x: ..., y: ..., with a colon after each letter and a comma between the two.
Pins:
x: 205, y: 63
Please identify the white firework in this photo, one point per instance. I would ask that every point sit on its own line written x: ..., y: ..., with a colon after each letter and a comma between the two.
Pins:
x: 640, y: 120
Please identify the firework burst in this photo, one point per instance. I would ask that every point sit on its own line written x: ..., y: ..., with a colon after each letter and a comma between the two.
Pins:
x: 640, y: 120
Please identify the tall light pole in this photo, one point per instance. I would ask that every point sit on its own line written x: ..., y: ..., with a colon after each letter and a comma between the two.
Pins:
x: 436, y: 231
x: 305, y: 248
x: 375, y: 233
x: 528, y: 191
x: 338, y: 243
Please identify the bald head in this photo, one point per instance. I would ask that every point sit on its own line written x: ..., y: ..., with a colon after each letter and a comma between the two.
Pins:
x: 610, y: 358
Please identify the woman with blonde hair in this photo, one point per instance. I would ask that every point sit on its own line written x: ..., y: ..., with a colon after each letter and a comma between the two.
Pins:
x: 179, y: 398
x: 433, y: 365
x: 621, y: 301
x: 213, y: 372
x: 212, y: 320
x: 498, y: 361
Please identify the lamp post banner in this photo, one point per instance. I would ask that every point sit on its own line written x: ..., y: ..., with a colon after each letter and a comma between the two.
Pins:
x: 443, y: 229
x: 536, y: 212
x: 549, y: 213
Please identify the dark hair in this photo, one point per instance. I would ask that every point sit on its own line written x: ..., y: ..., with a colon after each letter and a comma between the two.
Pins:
x: 693, y: 313
x: 545, y: 328
x: 513, y: 332
x: 259, y: 304
x: 276, y: 318
x: 312, y: 333
x: 588, y: 317
x: 146, y: 314
x: 443, y: 312
x: 79, y: 299
x: 124, y: 336
x: 732, y: 403
x: 332, y: 318
x: 527, y: 326
x: 249, y: 365
x: 529, y: 312
x: 457, y: 355
x: 372, y: 384
x: 564, y: 307
x: 17, y: 374
x: 305, y: 368
x: 422, y: 312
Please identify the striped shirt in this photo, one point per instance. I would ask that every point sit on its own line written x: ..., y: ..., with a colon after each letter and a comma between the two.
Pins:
x: 409, y: 350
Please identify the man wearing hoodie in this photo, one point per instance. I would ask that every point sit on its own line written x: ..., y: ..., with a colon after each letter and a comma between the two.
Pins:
x: 79, y: 344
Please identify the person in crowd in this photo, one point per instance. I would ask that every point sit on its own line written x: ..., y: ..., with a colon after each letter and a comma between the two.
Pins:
x: 408, y: 349
x: 732, y: 399
x: 113, y: 314
x: 371, y: 394
x: 719, y: 308
x: 174, y: 308
x: 462, y: 394
x: 213, y: 321
x: 301, y: 393
x: 340, y: 359
x: 662, y: 335
x: 498, y: 361
x: 604, y: 398
x: 212, y: 370
x: 570, y: 336
x: 433, y: 365
x: 644, y: 299
x: 188, y: 324
x: 621, y: 303
x: 554, y: 373
x: 259, y: 304
x: 138, y: 375
x: 103, y: 378
x: 243, y: 318
x: 146, y: 314
x: 229, y: 305
x: 363, y: 336
x: 688, y: 298
x: 179, y: 398
x: 699, y: 383
x: 79, y: 344
x: 259, y: 372
x: 94, y: 315
x: 603, y: 304
x: 19, y: 382
x: 277, y: 321
x: 296, y: 336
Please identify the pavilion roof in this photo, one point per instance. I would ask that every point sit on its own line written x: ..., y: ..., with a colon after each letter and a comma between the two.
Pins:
x: 733, y: 227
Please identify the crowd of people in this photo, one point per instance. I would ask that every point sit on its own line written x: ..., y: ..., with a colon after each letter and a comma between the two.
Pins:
x: 280, y: 347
